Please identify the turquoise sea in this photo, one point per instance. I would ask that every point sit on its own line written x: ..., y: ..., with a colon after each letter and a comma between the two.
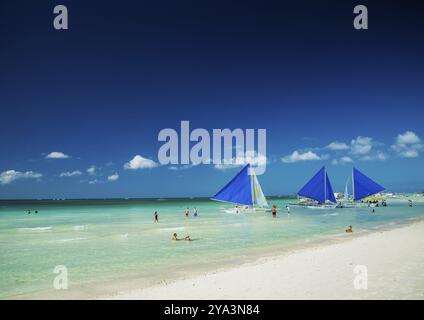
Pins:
x: 113, y: 244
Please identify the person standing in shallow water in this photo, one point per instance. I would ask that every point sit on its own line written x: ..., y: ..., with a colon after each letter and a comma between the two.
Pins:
x: 195, y: 212
x: 274, y: 211
x: 156, y: 217
x: 187, y: 212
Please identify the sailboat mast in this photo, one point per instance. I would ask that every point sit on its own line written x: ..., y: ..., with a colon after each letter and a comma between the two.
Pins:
x: 325, y: 184
x: 252, y: 185
x: 353, y: 185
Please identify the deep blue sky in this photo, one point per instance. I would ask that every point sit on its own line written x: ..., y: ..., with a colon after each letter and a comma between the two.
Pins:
x: 101, y: 91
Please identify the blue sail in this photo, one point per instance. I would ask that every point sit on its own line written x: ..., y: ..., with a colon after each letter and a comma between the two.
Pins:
x: 363, y: 186
x: 318, y: 188
x: 238, y: 190
x: 329, y: 192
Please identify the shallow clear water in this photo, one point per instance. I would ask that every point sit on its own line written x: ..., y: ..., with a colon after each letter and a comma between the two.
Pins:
x: 106, y: 239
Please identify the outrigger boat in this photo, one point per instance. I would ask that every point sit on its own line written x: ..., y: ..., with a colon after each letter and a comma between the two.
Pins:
x: 245, y: 191
x: 317, y: 193
x: 363, y: 189
x: 363, y: 186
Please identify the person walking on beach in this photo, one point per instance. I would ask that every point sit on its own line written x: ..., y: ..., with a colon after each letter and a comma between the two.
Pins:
x: 187, y: 212
x: 195, y: 212
x: 156, y: 217
x: 274, y: 211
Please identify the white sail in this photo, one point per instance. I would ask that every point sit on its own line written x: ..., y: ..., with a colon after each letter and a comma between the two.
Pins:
x: 346, y: 192
x: 258, y: 197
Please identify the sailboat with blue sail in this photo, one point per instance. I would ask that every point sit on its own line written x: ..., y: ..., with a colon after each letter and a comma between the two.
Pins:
x: 317, y: 192
x: 363, y: 186
x: 245, y: 191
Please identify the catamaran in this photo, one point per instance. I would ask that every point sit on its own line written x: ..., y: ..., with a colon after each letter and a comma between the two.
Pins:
x: 245, y: 191
x: 317, y: 193
x: 347, y: 201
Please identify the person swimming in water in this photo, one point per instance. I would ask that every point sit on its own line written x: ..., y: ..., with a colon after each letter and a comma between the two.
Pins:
x: 349, y: 229
x: 175, y: 237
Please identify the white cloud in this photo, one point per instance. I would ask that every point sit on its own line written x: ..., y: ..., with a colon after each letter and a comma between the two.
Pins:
x: 297, y: 156
x: 138, y: 162
x: 378, y: 156
x: 71, y: 174
x: 336, y: 146
x: 94, y: 181
x: 182, y: 167
x: 382, y: 156
x: 408, y: 145
x: 346, y: 160
x: 113, y: 177
x: 342, y: 160
x: 92, y: 170
x: 361, y: 145
x: 9, y: 176
x: 250, y: 157
x: 408, y: 137
x: 409, y: 154
x: 57, y: 155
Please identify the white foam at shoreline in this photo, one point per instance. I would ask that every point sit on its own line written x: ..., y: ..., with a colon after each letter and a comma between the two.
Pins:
x: 40, y: 229
x: 171, y: 229
x: 70, y: 239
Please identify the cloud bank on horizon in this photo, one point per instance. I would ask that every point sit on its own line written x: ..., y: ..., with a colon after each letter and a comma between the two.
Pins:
x: 406, y: 145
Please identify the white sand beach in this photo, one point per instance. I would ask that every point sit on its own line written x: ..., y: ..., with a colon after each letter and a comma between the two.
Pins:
x: 394, y: 260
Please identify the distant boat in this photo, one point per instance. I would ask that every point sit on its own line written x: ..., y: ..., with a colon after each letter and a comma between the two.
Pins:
x: 363, y: 186
x: 318, y: 192
x: 346, y: 202
x: 244, y: 190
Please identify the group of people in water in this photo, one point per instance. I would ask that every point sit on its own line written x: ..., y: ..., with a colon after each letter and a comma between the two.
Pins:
x: 186, y: 213
x: 274, y: 211
x: 175, y: 237
x: 274, y: 215
x: 377, y: 203
x: 29, y: 211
